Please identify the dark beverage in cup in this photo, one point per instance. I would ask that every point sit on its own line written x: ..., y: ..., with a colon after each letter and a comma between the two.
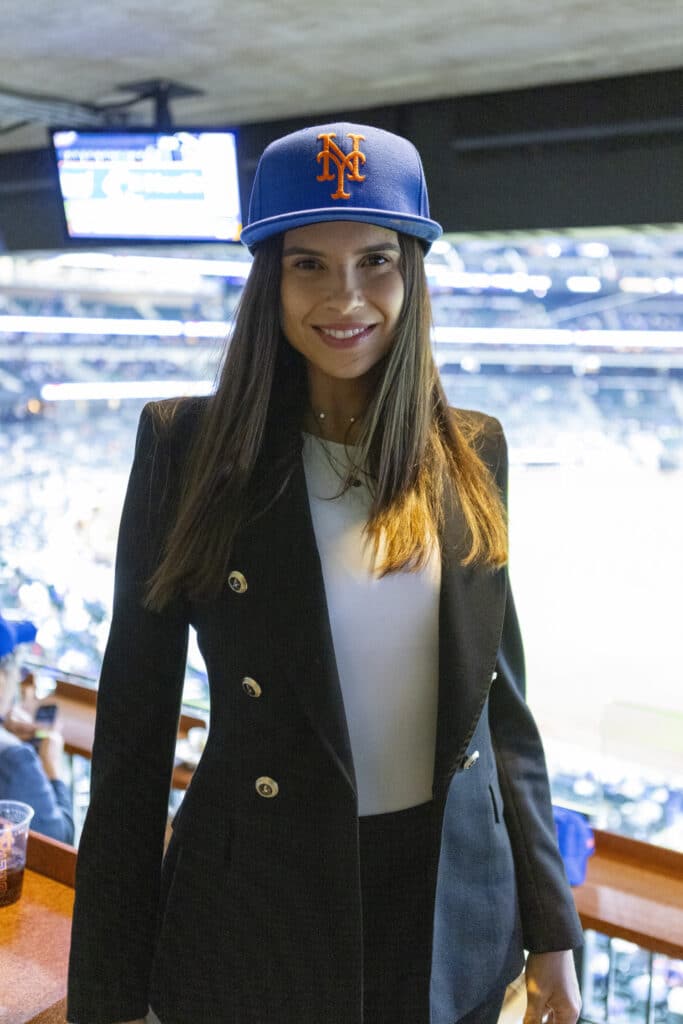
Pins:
x: 15, y: 819
x: 11, y: 881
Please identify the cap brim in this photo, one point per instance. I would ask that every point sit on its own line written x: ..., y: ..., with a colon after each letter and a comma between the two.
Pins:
x: 421, y: 227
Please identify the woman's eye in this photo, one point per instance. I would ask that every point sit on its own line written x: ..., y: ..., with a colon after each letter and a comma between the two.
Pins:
x: 377, y: 259
x: 306, y: 264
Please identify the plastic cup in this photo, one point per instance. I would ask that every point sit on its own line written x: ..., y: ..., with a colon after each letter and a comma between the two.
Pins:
x: 15, y: 818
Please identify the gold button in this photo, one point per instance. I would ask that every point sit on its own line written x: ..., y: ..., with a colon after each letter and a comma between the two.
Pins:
x: 237, y: 582
x: 266, y: 786
x: 251, y: 687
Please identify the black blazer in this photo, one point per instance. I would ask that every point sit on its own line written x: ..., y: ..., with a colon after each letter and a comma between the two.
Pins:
x: 255, y: 915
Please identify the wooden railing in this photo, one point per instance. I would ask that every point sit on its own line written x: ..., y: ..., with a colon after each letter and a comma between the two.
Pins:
x: 634, y: 891
x: 77, y: 709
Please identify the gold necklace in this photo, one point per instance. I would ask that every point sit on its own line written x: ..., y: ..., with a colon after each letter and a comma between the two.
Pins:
x: 322, y: 415
x: 334, y: 462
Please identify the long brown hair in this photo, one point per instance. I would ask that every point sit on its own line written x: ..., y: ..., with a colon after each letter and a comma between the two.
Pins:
x: 415, y: 448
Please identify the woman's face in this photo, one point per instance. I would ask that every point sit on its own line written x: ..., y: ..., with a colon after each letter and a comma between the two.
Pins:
x: 341, y: 294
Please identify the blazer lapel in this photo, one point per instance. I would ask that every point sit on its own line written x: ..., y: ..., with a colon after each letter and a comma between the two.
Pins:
x: 303, y: 617
x: 471, y: 607
x: 471, y: 610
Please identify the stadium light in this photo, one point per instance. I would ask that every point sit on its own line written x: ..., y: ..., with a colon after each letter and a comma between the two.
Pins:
x: 518, y: 281
x: 593, y: 250
x: 637, y: 285
x: 107, y: 390
x: 96, y: 326
x: 651, y: 285
x: 440, y: 247
x: 550, y: 337
x: 583, y: 283
x: 238, y: 269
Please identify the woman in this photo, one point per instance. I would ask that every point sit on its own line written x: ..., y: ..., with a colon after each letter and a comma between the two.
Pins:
x: 368, y: 836
x: 27, y: 772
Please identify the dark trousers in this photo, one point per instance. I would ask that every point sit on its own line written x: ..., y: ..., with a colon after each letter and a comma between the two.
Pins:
x: 398, y: 860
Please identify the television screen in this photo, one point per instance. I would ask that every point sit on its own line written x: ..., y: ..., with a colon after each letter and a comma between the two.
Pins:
x: 125, y: 184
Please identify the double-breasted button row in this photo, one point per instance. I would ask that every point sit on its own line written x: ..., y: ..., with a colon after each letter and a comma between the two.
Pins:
x: 237, y: 582
x: 265, y: 786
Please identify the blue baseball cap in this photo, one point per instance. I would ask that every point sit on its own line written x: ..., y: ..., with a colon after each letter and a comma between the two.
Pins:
x: 13, y: 633
x: 339, y: 172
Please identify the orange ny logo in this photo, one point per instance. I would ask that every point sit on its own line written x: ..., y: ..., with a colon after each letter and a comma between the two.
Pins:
x: 344, y: 164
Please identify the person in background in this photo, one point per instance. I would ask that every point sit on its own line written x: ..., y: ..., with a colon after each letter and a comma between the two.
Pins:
x: 27, y: 772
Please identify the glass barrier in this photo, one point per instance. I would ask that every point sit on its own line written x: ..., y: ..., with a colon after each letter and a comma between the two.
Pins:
x: 574, y: 340
x: 624, y: 984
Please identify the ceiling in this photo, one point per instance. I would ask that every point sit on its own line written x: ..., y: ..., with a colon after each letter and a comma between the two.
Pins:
x: 259, y: 60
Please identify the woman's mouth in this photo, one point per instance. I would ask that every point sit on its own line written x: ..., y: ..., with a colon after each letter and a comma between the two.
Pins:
x: 344, y: 337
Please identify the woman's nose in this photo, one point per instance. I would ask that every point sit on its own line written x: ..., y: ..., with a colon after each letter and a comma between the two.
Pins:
x: 345, y: 292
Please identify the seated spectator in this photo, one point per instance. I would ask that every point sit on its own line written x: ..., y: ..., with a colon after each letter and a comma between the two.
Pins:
x: 27, y: 772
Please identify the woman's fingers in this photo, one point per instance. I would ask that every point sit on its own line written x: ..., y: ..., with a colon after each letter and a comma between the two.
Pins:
x: 553, y: 994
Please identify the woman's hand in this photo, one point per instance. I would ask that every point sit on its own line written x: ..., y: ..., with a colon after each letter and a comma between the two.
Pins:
x: 552, y: 985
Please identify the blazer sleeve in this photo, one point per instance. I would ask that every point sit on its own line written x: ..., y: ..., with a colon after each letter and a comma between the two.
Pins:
x: 138, y: 707
x: 548, y: 913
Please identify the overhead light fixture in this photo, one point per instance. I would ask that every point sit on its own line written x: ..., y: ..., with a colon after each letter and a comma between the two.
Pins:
x: 52, y: 110
x: 48, y: 109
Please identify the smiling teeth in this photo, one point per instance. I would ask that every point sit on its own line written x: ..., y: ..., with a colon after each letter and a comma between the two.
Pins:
x: 343, y: 334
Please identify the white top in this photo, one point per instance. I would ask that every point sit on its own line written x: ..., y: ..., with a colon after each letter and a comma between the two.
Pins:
x: 386, y: 641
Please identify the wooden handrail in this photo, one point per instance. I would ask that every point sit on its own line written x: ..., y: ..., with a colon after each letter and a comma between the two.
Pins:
x: 51, y: 858
x: 634, y: 890
x: 76, y: 691
x: 88, y: 695
x: 657, y: 858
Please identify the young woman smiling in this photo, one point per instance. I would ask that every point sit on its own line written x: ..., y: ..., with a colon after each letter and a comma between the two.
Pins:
x: 368, y: 837
x: 341, y: 294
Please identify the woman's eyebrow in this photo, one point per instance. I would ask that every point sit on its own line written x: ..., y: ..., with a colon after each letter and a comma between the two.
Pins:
x: 297, y: 250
